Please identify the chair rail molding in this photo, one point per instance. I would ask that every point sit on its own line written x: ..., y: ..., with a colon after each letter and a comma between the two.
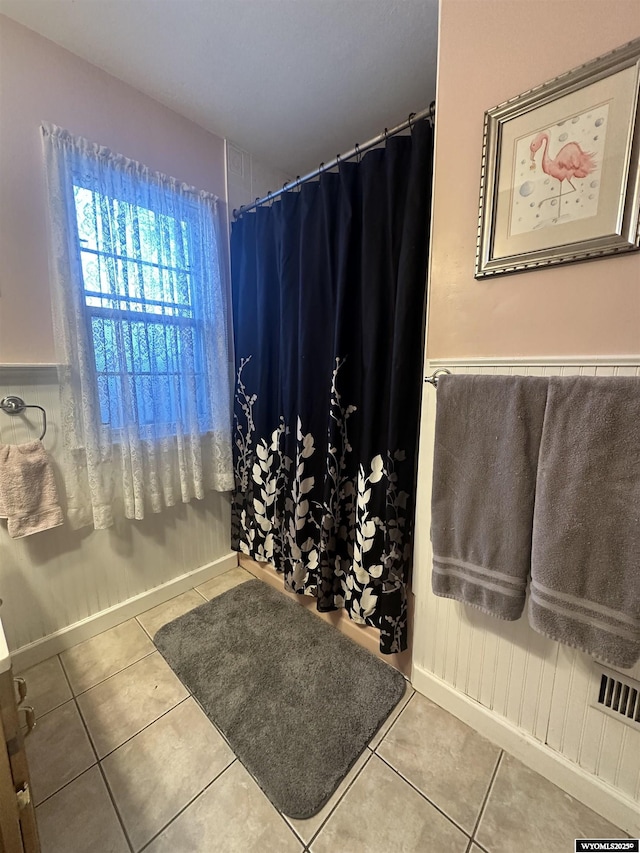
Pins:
x: 539, y: 361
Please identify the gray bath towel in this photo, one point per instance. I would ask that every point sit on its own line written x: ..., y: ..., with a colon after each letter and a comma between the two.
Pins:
x: 488, y: 431
x: 28, y: 493
x: 585, y: 564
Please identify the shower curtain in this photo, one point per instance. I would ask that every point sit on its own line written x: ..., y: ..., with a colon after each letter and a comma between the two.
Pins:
x: 329, y: 289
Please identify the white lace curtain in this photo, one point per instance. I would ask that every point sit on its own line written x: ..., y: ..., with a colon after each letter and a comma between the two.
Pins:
x: 141, y: 308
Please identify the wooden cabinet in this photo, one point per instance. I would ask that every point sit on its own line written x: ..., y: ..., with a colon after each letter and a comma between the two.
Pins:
x: 18, y: 831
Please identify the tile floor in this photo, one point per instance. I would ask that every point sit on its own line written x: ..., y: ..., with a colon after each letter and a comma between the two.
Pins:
x: 124, y: 760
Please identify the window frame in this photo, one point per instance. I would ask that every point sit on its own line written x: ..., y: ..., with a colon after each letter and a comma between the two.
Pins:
x: 85, y: 179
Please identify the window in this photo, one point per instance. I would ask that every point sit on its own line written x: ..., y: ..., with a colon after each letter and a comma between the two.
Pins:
x: 143, y: 303
x: 141, y: 310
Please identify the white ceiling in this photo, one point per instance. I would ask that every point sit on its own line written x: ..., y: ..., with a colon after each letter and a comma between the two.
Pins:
x: 292, y: 81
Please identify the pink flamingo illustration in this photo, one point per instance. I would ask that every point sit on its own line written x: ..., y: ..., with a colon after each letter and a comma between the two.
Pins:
x: 570, y: 162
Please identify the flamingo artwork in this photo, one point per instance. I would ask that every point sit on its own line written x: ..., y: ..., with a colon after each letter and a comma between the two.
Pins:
x: 570, y: 162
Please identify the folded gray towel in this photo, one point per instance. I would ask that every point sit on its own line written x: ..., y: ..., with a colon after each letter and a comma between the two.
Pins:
x: 28, y: 493
x: 585, y: 563
x: 488, y: 432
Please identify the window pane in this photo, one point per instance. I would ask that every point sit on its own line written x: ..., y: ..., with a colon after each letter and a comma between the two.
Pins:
x: 145, y: 369
x: 139, y: 294
x: 135, y: 253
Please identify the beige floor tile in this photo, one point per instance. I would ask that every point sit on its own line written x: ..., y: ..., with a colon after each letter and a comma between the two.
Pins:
x: 526, y: 811
x: 89, y: 663
x: 58, y: 750
x: 393, y: 716
x: 221, y: 583
x: 123, y: 705
x: 445, y: 759
x: 81, y: 819
x: 231, y: 816
x: 306, y: 829
x: 382, y: 813
x: 154, y: 775
x: 158, y: 616
x: 47, y: 685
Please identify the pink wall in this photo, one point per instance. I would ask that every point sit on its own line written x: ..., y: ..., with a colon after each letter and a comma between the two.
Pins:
x: 489, y: 52
x: 40, y: 81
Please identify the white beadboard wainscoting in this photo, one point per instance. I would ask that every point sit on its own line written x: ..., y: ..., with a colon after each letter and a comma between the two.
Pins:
x: 529, y: 694
x: 62, y: 586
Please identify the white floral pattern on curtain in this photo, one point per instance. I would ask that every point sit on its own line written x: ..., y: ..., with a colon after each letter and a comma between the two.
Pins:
x: 141, y: 311
x: 284, y: 525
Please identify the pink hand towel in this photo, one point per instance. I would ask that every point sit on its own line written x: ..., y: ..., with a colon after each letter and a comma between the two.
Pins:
x: 28, y: 493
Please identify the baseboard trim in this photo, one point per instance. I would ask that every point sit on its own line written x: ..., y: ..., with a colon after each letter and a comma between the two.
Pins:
x: 593, y: 792
x: 53, y: 644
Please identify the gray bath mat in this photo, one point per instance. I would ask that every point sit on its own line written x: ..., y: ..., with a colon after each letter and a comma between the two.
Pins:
x: 297, y: 701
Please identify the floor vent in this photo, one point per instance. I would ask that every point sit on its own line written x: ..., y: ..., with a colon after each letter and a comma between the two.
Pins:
x: 618, y: 696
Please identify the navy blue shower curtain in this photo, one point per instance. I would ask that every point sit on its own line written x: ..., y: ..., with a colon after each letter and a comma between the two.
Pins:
x: 329, y: 288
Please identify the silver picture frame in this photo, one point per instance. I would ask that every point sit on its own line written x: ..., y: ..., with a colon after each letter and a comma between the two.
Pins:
x: 583, y: 203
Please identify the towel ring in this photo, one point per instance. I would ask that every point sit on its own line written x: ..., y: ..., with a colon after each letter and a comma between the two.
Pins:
x: 13, y: 405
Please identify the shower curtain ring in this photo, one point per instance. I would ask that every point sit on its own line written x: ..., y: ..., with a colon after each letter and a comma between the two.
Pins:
x: 358, y: 155
x: 411, y: 115
x: 386, y: 134
x: 297, y: 183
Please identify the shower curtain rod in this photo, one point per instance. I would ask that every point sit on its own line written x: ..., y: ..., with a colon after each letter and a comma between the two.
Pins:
x: 429, y: 113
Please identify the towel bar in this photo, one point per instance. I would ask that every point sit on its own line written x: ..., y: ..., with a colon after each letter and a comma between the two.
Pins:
x: 13, y: 405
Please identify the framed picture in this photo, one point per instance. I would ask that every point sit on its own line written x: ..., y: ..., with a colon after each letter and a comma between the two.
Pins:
x: 561, y: 169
